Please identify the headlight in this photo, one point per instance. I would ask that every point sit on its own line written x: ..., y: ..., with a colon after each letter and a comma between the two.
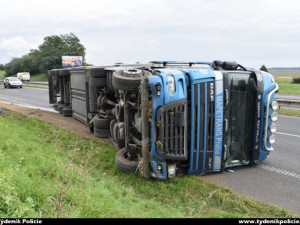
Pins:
x: 274, y: 116
x: 272, y: 139
x: 171, y: 82
x: 171, y: 171
x: 274, y: 105
x: 273, y: 128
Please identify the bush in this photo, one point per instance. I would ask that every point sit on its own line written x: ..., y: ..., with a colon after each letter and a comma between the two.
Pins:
x: 296, y: 80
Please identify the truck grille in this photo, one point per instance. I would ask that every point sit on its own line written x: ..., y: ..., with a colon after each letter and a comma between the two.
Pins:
x: 202, y: 126
x: 172, y: 131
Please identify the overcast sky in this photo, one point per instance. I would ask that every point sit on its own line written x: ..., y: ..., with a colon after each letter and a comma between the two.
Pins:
x: 251, y: 32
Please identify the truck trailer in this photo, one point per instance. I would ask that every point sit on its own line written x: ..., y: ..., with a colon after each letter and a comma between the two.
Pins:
x: 169, y: 117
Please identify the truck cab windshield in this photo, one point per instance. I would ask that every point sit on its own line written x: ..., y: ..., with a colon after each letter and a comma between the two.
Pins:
x: 240, y: 89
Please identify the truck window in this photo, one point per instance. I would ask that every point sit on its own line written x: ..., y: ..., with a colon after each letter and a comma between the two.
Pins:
x: 240, y: 113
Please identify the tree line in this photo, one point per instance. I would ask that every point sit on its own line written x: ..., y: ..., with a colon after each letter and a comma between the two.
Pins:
x: 48, y: 55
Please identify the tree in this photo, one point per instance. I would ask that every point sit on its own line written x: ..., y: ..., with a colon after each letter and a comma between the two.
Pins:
x: 2, y: 67
x: 264, y: 68
x: 54, y: 47
x: 48, y: 56
x: 13, y: 67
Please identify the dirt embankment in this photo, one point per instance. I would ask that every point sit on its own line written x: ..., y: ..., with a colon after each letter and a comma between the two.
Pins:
x: 56, y: 119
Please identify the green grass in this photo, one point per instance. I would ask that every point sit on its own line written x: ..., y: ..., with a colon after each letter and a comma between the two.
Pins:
x: 287, y: 87
x: 46, y: 171
x: 39, y: 77
x: 2, y: 74
x: 33, y: 86
x: 288, y: 112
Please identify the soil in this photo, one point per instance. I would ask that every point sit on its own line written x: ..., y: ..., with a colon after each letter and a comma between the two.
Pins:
x: 68, y: 123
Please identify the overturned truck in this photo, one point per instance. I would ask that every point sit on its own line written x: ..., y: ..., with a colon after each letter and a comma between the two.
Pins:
x: 173, y: 117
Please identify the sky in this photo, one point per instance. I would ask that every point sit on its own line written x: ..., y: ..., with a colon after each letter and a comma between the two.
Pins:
x: 250, y: 32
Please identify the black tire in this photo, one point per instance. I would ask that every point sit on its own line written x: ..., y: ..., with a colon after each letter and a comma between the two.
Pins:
x: 97, y: 83
x: 50, y: 85
x: 125, y: 165
x: 60, y: 108
x: 56, y: 105
x: 101, y: 123
x: 97, y: 72
x: 101, y: 133
x: 67, y: 112
x: 112, y: 128
x: 21, y: 86
x: 127, y: 80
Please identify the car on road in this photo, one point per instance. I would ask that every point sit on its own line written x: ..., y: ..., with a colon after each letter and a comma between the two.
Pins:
x: 10, y: 82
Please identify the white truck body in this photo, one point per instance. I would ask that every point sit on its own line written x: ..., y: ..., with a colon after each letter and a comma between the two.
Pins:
x: 23, y: 76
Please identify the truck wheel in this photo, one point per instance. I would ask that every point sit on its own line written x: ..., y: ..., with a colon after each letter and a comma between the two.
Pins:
x: 112, y: 126
x: 101, y: 133
x: 101, y: 123
x: 60, y: 108
x: 127, y: 80
x: 56, y: 105
x: 67, y: 112
x: 124, y: 164
x: 50, y: 87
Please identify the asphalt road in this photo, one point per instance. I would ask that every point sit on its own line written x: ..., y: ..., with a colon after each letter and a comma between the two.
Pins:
x: 26, y: 96
x: 276, y: 180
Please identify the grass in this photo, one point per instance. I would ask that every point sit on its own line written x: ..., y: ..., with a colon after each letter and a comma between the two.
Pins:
x: 39, y: 77
x: 33, y: 86
x: 284, y: 79
x: 287, y: 87
x: 2, y: 74
x: 289, y: 112
x: 46, y: 171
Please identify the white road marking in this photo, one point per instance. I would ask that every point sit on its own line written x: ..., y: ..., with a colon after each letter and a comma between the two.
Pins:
x: 293, y: 135
x: 284, y: 172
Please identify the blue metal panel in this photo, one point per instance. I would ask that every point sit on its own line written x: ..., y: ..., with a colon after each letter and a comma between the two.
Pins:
x: 159, y: 100
x: 269, y: 85
x: 218, y: 137
x: 198, y: 126
x: 205, y: 128
x: 200, y: 165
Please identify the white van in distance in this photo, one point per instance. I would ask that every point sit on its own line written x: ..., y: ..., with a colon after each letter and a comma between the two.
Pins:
x: 23, y: 76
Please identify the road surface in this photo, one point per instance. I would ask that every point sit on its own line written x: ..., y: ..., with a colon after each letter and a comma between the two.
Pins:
x: 277, y: 179
x: 26, y: 96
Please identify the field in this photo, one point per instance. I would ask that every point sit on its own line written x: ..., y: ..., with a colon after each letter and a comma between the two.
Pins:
x: 39, y: 77
x: 46, y: 171
x: 284, y: 79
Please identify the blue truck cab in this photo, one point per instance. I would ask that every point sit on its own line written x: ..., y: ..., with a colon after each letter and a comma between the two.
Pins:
x: 206, y: 119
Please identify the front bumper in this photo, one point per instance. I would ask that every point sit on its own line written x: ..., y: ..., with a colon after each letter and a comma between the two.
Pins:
x: 267, y: 118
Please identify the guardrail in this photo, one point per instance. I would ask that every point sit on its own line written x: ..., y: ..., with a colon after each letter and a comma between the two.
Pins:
x: 36, y: 83
x: 33, y: 83
x: 288, y: 103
